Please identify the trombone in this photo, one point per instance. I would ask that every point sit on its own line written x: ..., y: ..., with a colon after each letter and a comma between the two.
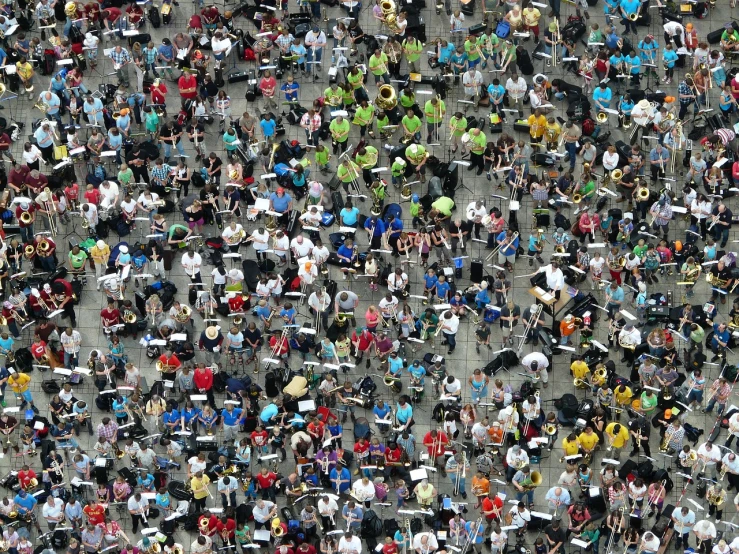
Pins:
x: 503, y: 247
x: 50, y: 209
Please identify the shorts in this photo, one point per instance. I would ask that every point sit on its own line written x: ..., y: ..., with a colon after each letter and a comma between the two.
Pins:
x: 192, y: 224
x: 27, y: 396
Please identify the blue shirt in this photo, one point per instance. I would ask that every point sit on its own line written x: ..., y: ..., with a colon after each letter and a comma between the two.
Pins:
x: 430, y: 281
x: 171, y: 417
x: 418, y: 372
x: 380, y: 413
x: 280, y: 203
x: 291, y: 91
x: 115, y: 141
x: 396, y: 227
x: 395, y: 365
x: 119, y: 408
x: 630, y: 6
x: 123, y: 122
x: 43, y: 141
x: 670, y: 57
x: 28, y: 503
x: 345, y: 252
x: 510, y: 250
x: 445, y: 54
x: 232, y: 417
x: 57, y: 85
x: 268, y: 127
x: 349, y: 217
x: 404, y: 414
x: 617, y: 295
x: 602, y: 96
x: 54, y: 103
x: 268, y: 412
x: 612, y: 41
x: 166, y: 51
x: 626, y: 106
x: 299, y: 51
x: 719, y: 335
x: 635, y: 64
x: 496, y: 92
x: 442, y: 289
x: 610, y: 6
x: 649, y: 51
x: 379, y: 226
x: 345, y: 484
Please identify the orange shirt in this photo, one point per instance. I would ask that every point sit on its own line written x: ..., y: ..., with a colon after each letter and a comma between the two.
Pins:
x: 496, y: 435
x: 566, y: 329
x: 480, y: 486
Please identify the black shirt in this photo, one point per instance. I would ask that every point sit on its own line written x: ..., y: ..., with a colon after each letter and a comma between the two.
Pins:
x: 464, y: 226
x: 555, y: 536
x: 723, y: 274
x: 252, y: 336
x: 354, y: 32
x: 200, y: 131
x: 724, y: 217
x: 215, y: 164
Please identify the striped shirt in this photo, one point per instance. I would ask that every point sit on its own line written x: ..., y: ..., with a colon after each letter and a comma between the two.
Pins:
x: 120, y: 57
x: 726, y: 135
x: 108, y: 431
x: 161, y: 173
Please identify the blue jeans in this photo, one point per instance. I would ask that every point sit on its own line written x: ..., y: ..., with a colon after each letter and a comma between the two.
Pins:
x: 168, y: 149
x: 48, y: 263
x: 712, y: 403
x: 529, y: 495
x: 315, y: 8
x: 571, y: 148
x: 319, y: 51
x: 27, y: 233
x: 68, y: 26
x: 451, y: 339
x: 71, y: 360
x: 721, y: 233
x: 151, y: 67
x: 453, y: 478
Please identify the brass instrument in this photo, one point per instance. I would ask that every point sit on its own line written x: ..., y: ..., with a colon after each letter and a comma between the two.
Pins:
x: 642, y: 194
x: 270, y: 223
x: 276, y: 528
x: 559, y: 249
x: 129, y: 317
x: 183, y: 315
x: 389, y: 14
x: 716, y: 498
x: 602, y: 117
x: 622, y: 342
x: 600, y: 376
x: 26, y: 218
x: 386, y: 98
x: 580, y: 384
x: 550, y: 429
x: 576, y: 198
x: 534, y: 480
x: 616, y: 175
x: 723, y: 471
x: 29, y: 251
x: 633, y: 16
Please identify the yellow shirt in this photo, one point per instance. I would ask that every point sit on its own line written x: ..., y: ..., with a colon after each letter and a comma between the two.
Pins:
x: 579, y: 369
x: 620, y: 439
x: 623, y: 398
x: 19, y: 382
x: 531, y: 17
x: 570, y: 448
x: 588, y: 442
x: 100, y: 255
x: 196, y: 484
x: 537, y: 126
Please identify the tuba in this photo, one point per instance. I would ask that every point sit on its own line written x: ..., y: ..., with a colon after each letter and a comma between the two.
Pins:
x: 602, y: 117
x: 532, y: 482
x: 576, y: 198
x: 386, y: 99
x: 29, y: 251
x: 183, y: 315
x: 559, y: 249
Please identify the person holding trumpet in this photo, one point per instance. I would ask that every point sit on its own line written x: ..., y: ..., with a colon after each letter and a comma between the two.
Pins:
x: 617, y: 437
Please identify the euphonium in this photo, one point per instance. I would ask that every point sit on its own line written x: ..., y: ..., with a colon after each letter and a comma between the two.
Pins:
x: 43, y: 245
x: 203, y: 525
x: 406, y: 193
x: 580, y: 383
x: 602, y: 117
x: 642, y: 194
x: 600, y: 375
x: 576, y: 198
x: 130, y: 317
x: 533, y: 482
x: 29, y: 250
x: 276, y: 527
x: 70, y: 9
x: 183, y: 315
x: 271, y: 223
x: 26, y: 218
x: 550, y: 429
x: 633, y: 16
x: 664, y: 443
x: 559, y: 249
x: 616, y: 174
x: 386, y: 97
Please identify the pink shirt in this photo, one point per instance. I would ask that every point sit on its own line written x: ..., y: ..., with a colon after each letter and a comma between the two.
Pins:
x: 267, y: 86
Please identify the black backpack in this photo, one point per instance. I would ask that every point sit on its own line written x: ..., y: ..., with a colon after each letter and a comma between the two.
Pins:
x: 568, y: 404
x: 156, y: 21
x: 270, y: 385
x: 371, y: 525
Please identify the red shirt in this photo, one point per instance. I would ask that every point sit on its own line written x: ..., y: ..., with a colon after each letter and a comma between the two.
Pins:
x: 391, y: 548
x: 441, y: 441
x: 66, y: 284
x: 267, y: 86
x: 8, y: 315
x: 110, y: 317
x: 113, y: 14
x: 18, y: 212
x: 259, y: 438
x: 173, y: 362
x: 487, y: 505
x: 266, y: 481
x: 236, y: 304
x: 95, y: 513
x: 306, y: 548
x: 203, y: 379
x: 186, y: 82
x: 361, y: 450
x: 38, y: 349
x: 24, y: 478
x: 158, y: 94
x: 18, y: 176
x: 73, y: 192
x: 229, y: 526
x: 393, y: 455
x: 212, y: 525
x: 283, y: 348
x: 365, y: 339
x: 316, y: 429
x: 92, y: 196
x: 210, y: 15
x: 195, y: 22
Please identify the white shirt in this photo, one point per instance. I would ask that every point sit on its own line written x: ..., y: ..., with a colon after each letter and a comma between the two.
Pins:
x: 301, y: 249
x: 319, y: 38
x: 733, y: 467
x: 498, y: 540
x: 713, y: 455
x: 320, y: 254
x: 328, y: 509
x: 705, y: 529
x: 430, y: 546
x: 516, y: 89
x: 610, y: 161
x: 473, y: 211
x: 220, y: 46
x: 452, y: 388
x: 451, y: 325
x: 92, y: 213
x: 650, y: 545
x: 362, y: 491
x: 520, y: 518
x: 353, y: 546
x: 396, y: 282
x: 673, y: 28
x: 281, y: 245
x: 109, y: 194
x: 191, y: 262
x: 697, y: 208
x: 386, y: 306
x: 218, y: 279
x: 196, y: 465
x: 261, y: 241
x: 144, y: 201
x: 734, y: 425
x: 471, y: 82
x: 55, y: 510
x: 128, y: 207
x: 319, y: 304
x: 308, y: 275
x: 630, y: 337
x: 228, y: 232
x: 260, y: 514
x: 537, y: 357
x: 32, y: 155
x: 597, y: 265
x: 555, y: 278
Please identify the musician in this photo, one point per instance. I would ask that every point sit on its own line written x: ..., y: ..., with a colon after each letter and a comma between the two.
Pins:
x: 519, y: 517
x: 729, y: 38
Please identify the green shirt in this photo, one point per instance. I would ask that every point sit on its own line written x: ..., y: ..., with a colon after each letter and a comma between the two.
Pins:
x: 458, y: 125
x: 412, y: 123
x: 444, y: 205
x: 322, y: 157
x: 407, y: 101
x: 333, y: 97
x: 434, y: 114
x: 241, y: 534
x: 346, y: 174
x: 397, y: 169
x: 229, y: 142
x: 77, y: 260
x: 479, y: 143
x: 413, y: 51
x: 414, y: 207
x: 698, y: 335
x: 177, y: 227
x: 471, y: 48
x: 369, y: 160
x: 365, y: 114
x: 356, y: 81
x: 379, y: 64
x: 348, y: 97
x: 509, y: 52
x: 639, y: 251
x: 418, y: 157
x: 124, y: 177
x: 648, y: 404
x: 340, y: 129
x: 587, y: 188
x: 382, y: 122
